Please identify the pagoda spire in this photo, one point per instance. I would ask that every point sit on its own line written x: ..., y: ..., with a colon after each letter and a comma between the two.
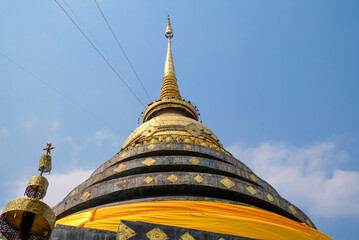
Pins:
x: 169, y: 87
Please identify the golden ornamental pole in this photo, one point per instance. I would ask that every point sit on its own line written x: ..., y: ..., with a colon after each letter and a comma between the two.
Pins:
x: 27, y: 217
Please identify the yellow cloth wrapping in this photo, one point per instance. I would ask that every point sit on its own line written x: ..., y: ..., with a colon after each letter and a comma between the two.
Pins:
x: 206, y: 216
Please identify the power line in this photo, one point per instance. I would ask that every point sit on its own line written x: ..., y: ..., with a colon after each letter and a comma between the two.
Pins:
x: 107, y: 62
x: 101, y: 48
x: 60, y: 93
x: 123, y: 51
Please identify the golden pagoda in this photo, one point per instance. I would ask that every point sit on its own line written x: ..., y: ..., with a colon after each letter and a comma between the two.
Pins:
x: 173, y: 179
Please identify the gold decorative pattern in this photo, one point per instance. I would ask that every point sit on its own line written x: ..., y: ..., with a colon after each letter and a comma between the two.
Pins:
x: 85, y: 196
x: 45, y: 163
x: 227, y: 182
x: 120, y: 167
x: 156, y: 234
x: 188, y: 147
x: 173, y: 178
x: 149, y: 161
x: 151, y: 147
x: 148, y: 179
x: 125, y: 232
x: 194, y: 161
x: 124, y: 154
x: 45, y: 217
x: 169, y: 145
x: 253, y: 177
x: 73, y: 192
x: 292, y: 209
x: 221, y: 239
x: 270, y: 197
x: 198, y: 178
x: 309, y: 223
x: 186, y: 236
x: 251, y: 190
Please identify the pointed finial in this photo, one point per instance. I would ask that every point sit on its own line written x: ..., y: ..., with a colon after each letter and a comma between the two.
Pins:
x: 169, y: 83
x: 48, y: 148
x: 169, y: 31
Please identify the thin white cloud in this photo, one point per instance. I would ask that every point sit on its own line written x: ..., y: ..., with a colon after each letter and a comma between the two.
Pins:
x: 60, y: 184
x: 104, y: 136
x: 4, y: 132
x: 31, y: 123
x: 55, y: 126
x: 306, y: 176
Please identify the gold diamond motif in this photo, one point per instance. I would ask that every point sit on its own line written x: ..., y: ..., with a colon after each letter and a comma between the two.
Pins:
x: 125, y: 232
x: 188, y: 147
x: 149, y: 161
x: 227, y: 182
x: 253, y: 177
x: 270, y: 197
x: 120, y: 167
x: 124, y: 154
x: 251, y: 190
x: 169, y: 145
x: 73, y: 192
x: 85, y: 196
x: 186, y: 236
x: 148, y: 179
x: 173, y: 178
x: 151, y: 147
x: 198, y: 178
x: 194, y: 161
x: 292, y: 209
x: 309, y: 223
x: 156, y: 234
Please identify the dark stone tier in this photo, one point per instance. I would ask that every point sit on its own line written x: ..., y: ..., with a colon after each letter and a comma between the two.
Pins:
x: 172, y: 171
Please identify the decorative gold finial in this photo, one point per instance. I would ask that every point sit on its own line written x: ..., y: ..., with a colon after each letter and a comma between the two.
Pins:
x: 169, y: 87
x: 48, y: 148
x: 169, y: 31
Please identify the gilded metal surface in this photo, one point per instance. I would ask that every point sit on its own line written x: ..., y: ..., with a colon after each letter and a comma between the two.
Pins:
x: 120, y: 167
x: 37, y: 187
x: 125, y: 232
x: 227, y: 182
x: 270, y: 197
x: 251, y: 190
x: 253, y: 177
x: 186, y: 236
x: 221, y: 239
x: 45, y: 163
x: 124, y: 154
x: 43, y: 222
x: 156, y: 234
x: 173, y: 178
x: 85, y: 196
x: 149, y: 161
x: 309, y: 223
x: 148, y: 179
x: 292, y: 209
x: 198, y: 178
x: 48, y: 148
x: 188, y: 147
x: 194, y: 161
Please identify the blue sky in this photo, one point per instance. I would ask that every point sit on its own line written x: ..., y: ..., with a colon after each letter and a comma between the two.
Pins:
x: 276, y: 81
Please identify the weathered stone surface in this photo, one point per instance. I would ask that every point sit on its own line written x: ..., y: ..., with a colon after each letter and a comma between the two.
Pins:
x: 62, y: 232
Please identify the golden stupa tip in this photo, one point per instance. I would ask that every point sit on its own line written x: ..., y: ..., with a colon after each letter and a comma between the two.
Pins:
x: 48, y: 148
x: 169, y: 31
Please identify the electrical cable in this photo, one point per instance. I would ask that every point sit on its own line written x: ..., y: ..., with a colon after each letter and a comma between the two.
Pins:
x: 101, y: 48
x: 98, y: 51
x: 60, y: 93
x: 123, y: 51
